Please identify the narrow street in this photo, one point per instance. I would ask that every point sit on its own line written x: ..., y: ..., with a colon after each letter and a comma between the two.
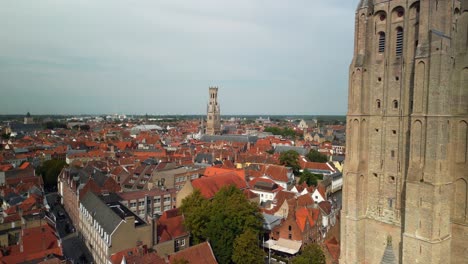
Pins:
x: 73, y: 247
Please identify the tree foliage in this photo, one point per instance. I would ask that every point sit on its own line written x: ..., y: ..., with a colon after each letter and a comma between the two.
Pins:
x: 311, y: 254
x: 290, y: 158
x: 246, y: 249
x: 310, y: 178
x: 54, y: 125
x: 221, y: 220
x: 49, y: 170
x: 316, y: 156
x: 196, y: 214
x: 284, y: 132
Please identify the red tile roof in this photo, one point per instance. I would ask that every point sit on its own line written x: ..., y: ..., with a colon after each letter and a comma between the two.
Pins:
x: 213, y: 171
x: 171, y: 226
x: 276, y: 172
x: 198, y: 254
x: 209, y: 186
x: 303, y: 217
x: 37, y: 242
x: 333, y: 247
x: 325, y: 206
x: 24, y: 165
x: 136, y: 255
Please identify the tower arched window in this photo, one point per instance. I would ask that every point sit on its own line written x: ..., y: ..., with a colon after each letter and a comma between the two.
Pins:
x: 377, y: 102
x: 395, y: 104
x: 381, y: 42
x: 399, y: 41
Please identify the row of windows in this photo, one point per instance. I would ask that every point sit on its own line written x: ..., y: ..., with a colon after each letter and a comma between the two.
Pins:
x: 399, y: 42
x: 155, y: 201
x: 378, y: 104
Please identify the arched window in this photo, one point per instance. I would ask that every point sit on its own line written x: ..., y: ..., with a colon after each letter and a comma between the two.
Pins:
x: 378, y: 103
x: 395, y: 104
x: 381, y: 42
x: 399, y: 41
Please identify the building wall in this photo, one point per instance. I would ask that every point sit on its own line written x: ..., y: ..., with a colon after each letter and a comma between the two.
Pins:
x: 406, y: 170
x: 69, y: 197
x: 102, y: 245
x: 127, y: 236
x: 151, y: 205
x: 184, y: 192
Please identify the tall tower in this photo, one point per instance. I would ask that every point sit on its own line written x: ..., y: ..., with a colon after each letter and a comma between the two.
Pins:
x: 406, y: 173
x: 213, y: 121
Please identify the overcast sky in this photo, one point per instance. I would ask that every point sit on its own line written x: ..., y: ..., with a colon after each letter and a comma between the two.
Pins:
x: 160, y: 57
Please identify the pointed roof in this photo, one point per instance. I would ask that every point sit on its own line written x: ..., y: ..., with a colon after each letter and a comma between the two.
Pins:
x: 388, y: 256
x: 364, y: 3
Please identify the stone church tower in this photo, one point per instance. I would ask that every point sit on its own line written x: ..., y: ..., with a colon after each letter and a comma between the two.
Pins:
x: 406, y: 173
x: 213, y: 120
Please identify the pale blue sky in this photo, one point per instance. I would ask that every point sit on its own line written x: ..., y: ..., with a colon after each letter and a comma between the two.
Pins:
x: 160, y: 57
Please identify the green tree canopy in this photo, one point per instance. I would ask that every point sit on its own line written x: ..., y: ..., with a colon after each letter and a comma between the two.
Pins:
x: 49, y: 170
x: 310, y: 178
x: 285, y: 132
x: 316, y: 156
x: 196, y: 211
x: 311, y: 254
x: 246, y: 250
x: 290, y: 158
x: 220, y: 221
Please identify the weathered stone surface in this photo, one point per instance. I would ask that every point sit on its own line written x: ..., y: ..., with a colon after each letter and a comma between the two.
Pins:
x: 406, y: 172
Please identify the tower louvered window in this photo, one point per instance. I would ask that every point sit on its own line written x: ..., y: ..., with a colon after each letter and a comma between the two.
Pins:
x: 399, y: 42
x: 381, y: 42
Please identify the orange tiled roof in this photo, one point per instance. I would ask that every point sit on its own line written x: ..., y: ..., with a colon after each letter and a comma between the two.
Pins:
x: 213, y: 171
x: 38, y: 242
x: 200, y: 253
x: 209, y: 186
x: 171, y: 225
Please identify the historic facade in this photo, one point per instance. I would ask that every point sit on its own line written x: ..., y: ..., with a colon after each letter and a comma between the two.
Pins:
x: 213, y: 119
x: 406, y: 173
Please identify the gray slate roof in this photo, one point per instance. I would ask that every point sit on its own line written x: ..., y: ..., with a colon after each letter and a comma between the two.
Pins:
x: 201, y: 157
x: 300, y: 150
x: 271, y: 221
x: 388, y: 256
x: 104, y: 215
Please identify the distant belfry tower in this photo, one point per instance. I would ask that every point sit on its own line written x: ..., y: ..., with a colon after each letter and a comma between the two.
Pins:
x: 213, y: 121
x: 406, y: 173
